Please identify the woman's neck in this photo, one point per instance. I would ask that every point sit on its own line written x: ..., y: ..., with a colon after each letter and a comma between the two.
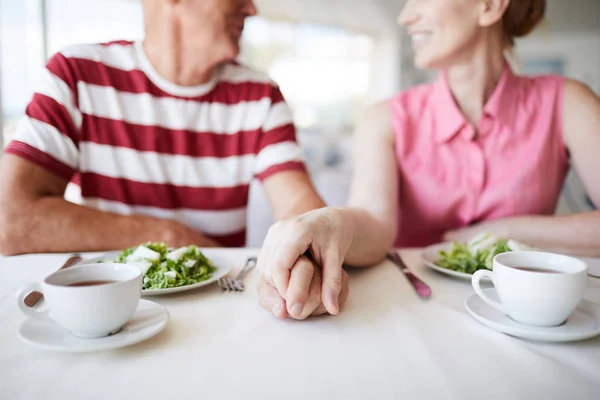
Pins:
x: 473, y: 81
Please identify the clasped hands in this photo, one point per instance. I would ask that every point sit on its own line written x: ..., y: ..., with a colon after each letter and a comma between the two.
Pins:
x: 300, y: 267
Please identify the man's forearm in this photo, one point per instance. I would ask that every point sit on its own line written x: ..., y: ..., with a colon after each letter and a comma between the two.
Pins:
x: 52, y: 224
x: 291, y: 194
x: 304, y: 205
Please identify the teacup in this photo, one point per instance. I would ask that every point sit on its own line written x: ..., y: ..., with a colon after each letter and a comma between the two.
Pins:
x: 535, y: 288
x: 89, y: 301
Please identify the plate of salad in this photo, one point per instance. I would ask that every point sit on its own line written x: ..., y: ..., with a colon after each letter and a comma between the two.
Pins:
x: 168, y: 270
x: 461, y: 260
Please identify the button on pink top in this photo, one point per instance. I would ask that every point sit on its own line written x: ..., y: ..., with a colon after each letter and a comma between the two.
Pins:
x: 450, y: 179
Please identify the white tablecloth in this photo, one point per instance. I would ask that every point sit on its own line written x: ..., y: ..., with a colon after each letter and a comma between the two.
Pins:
x: 387, y: 344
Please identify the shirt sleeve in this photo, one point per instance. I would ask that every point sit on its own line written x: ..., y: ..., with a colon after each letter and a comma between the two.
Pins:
x: 48, y: 133
x: 278, y: 148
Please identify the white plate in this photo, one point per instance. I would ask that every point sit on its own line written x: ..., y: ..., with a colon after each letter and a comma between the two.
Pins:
x: 584, y: 323
x: 223, y: 268
x: 430, y: 257
x: 148, y: 320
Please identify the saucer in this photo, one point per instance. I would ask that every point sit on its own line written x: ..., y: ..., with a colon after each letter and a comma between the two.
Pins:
x: 584, y: 323
x: 148, y: 320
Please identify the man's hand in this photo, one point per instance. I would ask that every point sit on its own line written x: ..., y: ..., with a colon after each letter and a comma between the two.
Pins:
x: 326, y: 233
x: 303, y: 298
x: 178, y: 235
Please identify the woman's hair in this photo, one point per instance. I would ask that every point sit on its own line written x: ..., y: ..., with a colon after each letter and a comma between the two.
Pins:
x: 521, y: 17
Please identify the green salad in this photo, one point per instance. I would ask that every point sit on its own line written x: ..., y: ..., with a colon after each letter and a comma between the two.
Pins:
x: 476, y: 254
x: 167, y: 268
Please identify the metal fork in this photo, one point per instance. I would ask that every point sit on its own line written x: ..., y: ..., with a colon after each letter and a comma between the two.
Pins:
x: 236, y: 284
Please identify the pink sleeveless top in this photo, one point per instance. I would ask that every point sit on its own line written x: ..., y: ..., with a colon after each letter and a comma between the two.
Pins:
x: 451, y: 179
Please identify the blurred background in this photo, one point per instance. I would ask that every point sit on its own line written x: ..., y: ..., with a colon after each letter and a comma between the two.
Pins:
x: 330, y: 57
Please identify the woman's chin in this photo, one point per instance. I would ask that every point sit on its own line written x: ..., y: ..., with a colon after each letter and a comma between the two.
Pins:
x: 423, y: 62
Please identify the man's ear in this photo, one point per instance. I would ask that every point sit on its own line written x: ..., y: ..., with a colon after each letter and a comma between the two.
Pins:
x: 492, y: 11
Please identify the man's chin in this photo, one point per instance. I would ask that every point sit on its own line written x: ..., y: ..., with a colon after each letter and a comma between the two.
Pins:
x: 233, y: 52
x: 231, y: 55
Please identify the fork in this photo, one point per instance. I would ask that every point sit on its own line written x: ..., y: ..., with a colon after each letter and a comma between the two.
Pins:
x: 236, y: 284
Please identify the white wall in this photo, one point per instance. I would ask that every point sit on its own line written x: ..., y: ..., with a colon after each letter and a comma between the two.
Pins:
x: 376, y: 18
x: 579, y: 50
x: 386, y: 67
x: 359, y: 15
x: 573, y: 15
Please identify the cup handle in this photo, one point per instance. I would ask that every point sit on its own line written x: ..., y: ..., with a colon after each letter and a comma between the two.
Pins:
x: 30, y: 311
x: 476, y: 282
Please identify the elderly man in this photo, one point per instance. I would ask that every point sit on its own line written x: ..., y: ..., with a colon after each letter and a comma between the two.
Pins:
x: 156, y: 141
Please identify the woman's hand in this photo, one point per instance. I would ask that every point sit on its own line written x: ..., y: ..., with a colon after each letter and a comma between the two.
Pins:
x: 327, y: 235
x: 303, y: 295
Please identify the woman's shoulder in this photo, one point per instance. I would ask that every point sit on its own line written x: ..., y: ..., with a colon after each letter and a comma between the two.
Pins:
x: 558, y: 90
x: 570, y: 89
x: 542, y: 83
x: 581, y: 106
x: 578, y: 91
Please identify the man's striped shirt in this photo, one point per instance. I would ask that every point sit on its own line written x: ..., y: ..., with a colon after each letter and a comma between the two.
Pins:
x: 131, y: 142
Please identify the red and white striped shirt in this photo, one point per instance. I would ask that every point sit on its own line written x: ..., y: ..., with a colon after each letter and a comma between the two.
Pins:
x: 131, y: 142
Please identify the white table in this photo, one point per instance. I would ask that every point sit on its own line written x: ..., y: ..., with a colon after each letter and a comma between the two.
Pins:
x: 387, y: 344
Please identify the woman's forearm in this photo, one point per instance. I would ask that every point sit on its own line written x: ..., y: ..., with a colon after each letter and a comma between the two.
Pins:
x: 573, y: 234
x: 372, y: 237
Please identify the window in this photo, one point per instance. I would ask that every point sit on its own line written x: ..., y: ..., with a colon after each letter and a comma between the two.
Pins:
x: 24, y: 44
x: 21, y: 57
x: 92, y: 21
x: 323, y: 71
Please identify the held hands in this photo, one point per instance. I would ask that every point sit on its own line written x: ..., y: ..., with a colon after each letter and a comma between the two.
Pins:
x: 291, y: 284
x: 303, y: 298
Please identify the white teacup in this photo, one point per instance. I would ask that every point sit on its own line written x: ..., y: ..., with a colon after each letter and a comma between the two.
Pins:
x: 535, y: 288
x: 89, y: 301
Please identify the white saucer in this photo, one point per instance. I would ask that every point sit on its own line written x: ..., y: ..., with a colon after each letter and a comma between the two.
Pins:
x: 148, y: 320
x: 584, y: 323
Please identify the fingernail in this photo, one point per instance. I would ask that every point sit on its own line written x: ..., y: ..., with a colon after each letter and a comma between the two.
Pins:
x: 296, y: 309
x: 276, y: 310
x: 336, y: 303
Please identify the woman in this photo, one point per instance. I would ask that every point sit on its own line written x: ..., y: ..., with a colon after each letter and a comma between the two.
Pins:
x: 478, y: 150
